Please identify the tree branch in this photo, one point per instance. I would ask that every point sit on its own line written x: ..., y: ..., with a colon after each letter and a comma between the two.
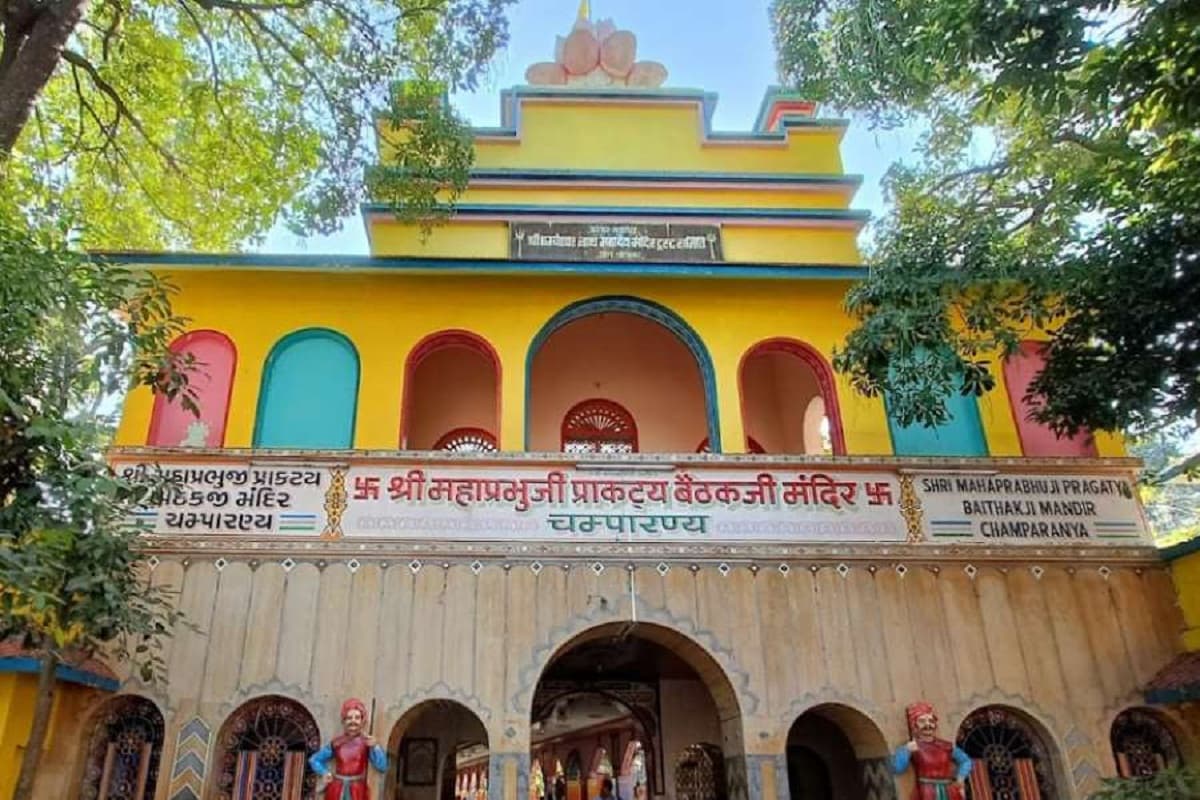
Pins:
x: 1189, y: 464
x: 123, y: 111
x: 981, y: 169
x: 30, y: 61
x: 212, y: 61
x: 235, y: 5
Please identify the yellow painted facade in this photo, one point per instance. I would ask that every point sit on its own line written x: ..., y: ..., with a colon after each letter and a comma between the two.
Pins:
x: 1186, y: 572
x: 555, y: 130
x: 18, y: 691
x: 508, y: 312
x: 385, y: 314
x: 743, y: 244
x: 760, y: 644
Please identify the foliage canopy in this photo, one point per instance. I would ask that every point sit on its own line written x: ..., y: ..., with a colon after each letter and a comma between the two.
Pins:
x: 202, y: 123
x: 1083, y: 220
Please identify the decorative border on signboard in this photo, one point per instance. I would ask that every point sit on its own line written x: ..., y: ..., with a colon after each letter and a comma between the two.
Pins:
x: 910, y: 509
x: 637, y: 554
x: 336, y: 501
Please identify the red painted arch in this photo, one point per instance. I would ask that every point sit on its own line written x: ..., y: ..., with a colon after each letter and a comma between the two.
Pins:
x: 454, y: 337
x: 821, y: 369
x: 216, y: 368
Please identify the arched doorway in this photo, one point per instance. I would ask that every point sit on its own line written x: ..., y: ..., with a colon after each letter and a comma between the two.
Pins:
x: 451, y: 394
x: 1012, y: 756
x: 789, y: 399
x: 1142, y: 743
x: 643, y: 691
x: 835, y: 752
x: 263, y: 750
x: 438, y: 750
x: 630, y: 354
x: 124, y: 750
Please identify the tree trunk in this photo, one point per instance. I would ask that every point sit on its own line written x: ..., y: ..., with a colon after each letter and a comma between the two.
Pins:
x: 31, y: 54
x: 41, y: 726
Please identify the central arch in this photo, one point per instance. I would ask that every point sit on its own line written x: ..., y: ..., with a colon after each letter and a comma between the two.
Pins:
x: 639, y: 700
x: 644, y: 309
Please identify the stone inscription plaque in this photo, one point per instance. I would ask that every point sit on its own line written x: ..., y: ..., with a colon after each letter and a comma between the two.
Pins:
x: 615, y: 241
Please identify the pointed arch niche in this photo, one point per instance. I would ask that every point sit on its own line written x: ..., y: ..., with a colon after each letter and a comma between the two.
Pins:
x: 214, y: 361
x: 789, y: 399
x: 632, y: 353
x: 451, y: 394
x: 309, y: 392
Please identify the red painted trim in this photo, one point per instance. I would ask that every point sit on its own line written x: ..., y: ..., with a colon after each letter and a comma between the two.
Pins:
x: 821, y: 369
x: 454, y: 337
x: 781, y: 107
x: 181, y: 343
x: 613, y: 407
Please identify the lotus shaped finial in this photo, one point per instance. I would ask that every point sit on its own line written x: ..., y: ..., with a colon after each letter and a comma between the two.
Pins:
x: 596, y: 54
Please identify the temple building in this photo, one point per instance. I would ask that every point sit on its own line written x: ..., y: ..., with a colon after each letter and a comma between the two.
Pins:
x: 566, y: 490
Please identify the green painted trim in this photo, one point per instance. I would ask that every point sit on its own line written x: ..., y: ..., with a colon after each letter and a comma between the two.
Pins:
x: 663, y: 176
x: 1166, y: 697
x: 63, y: 672
x: 772, y: 95
x: 1179, y: 550
x: 474, y: 209
x: 646, y: 309
x: 455, y: 266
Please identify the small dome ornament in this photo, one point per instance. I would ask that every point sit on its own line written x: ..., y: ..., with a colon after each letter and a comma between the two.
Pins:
x: 596, y: 55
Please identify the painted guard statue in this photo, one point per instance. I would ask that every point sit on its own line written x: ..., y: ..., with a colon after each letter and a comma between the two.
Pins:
x: 940, y: 766
x: 350, y: 754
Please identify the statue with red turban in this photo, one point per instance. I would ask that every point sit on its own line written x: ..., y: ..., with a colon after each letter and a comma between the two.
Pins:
x: 941, y: 767
x: 350, y: 753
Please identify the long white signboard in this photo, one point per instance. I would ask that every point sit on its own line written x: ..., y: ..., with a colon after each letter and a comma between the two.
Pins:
x: 411, y: 501
x: 1032, y: 509
x: 526, y: 503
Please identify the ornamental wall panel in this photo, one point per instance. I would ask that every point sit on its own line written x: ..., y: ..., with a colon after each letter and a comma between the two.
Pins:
x: 392, y: 632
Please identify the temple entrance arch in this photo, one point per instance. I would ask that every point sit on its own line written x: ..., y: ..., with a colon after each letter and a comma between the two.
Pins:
x: 639, y: 704
x: 835, y: 752
x: 620, y: 353
x: 438, y: 750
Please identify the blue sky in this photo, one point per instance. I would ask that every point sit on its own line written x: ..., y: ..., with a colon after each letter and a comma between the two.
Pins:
x: 722, y: 46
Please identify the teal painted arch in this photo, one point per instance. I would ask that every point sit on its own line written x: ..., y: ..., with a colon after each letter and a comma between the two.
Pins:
x: 309, y: 394
x: 961, y: 435
x: 647, y: 309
